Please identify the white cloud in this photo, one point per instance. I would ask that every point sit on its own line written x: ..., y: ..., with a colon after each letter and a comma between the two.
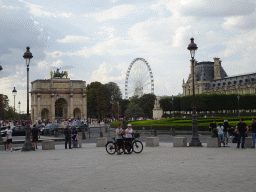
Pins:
x: 36, y: 23
x: 74, y: 39
x: 240, y: 22
x: 57, y: 63
x: 37, y: 11
x: 66, y: 14
x: 54, y: 54
x: 108, y: 30
x: 117, y: 12
x: 181, y: 36
x: 42, y: 65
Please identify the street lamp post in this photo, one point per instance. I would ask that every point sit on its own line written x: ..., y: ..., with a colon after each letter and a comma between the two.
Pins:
x: 19, y: 109
x: 238, y: 97
x: 195, y: 142
x: 27, y: 145
x: 1, y: 139
x: 14, y: 93
x: 112, y: 102
x: 172, y: 107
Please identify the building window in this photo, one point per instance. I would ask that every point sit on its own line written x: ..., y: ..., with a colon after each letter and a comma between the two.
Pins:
x: 243, y: 91
x: 250, y: 91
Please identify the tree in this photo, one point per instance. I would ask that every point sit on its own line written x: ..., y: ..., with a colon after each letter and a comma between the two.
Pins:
x: 103, y: 102
x: 92, y: 91
x: 133, y: 110
x: 113, y: 89
x: 146, y: 103
x: 4, y: 105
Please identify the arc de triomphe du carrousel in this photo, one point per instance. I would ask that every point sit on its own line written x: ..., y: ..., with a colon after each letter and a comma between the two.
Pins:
x: 58, y: 97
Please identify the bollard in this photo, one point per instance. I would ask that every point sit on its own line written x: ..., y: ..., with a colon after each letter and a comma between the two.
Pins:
x: 173, y: 132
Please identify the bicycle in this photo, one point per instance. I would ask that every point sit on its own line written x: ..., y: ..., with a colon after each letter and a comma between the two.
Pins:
x: 135, y: 146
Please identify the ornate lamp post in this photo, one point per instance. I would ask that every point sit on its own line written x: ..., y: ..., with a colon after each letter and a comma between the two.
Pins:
x: 112, y: 102
x: 27, y: 145
x: 238, y: 97
x: 14, y: 93
x: 195, y: 142
x: 1, y: 139
x: 172, y: 107
x: 19, y: 103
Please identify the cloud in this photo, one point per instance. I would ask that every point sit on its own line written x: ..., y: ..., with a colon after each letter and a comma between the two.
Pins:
x: 42, y: 65
x: 181, y: 36
x: 108, y: 30
x: 57, y: 63
x: 54, y: 54
x: 37, y: 11
x: 215, y: 8
x: 74, y: 39
x: 246, y: 22
x: 66, y: 14
x: 117, y: 12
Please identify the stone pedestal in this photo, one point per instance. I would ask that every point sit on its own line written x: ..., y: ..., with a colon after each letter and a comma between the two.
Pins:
x: 152, y: 141
x: 179, y: 141
x: 48, y: 144
x: 101, y: 142
x: 247, y: 143
x: 212, y: 142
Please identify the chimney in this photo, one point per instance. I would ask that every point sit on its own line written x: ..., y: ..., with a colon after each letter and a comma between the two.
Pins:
x: 217, y: 64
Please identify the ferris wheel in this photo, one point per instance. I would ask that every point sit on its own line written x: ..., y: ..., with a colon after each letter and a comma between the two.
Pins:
x: 139, y: 78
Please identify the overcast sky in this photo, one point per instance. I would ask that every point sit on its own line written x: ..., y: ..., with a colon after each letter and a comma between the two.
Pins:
x: 96, y: 40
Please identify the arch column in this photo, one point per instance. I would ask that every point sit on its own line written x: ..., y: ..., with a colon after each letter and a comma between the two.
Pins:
x: 71, y: 106
x: 38, y: 107
x: 84, y: 112
x: 52, y: 107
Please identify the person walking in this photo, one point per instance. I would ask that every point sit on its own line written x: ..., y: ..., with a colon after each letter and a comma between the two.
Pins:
x: 34, y: 134
x: 220, y: 129
x: 9, y: 138
x: 253, y: 128
x: 67, y: 133
x: 241, y: 129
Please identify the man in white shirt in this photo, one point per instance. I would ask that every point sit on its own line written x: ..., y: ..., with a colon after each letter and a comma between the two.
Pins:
x: 9, y: 138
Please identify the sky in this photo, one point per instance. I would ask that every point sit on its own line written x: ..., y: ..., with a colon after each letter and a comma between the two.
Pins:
x: 97, y: 40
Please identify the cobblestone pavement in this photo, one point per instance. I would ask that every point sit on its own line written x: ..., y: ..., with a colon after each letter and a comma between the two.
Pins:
x: 162, y: 168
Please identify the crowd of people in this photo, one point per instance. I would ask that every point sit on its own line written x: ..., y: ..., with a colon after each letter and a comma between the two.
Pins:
x: 241, y: 130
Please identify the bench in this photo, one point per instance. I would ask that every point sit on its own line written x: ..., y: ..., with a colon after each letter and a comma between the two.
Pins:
x: 212, y: 142
x: 152, y: 141
x: 48, y: 144
x: 101, y: 142
x: 179, y: 141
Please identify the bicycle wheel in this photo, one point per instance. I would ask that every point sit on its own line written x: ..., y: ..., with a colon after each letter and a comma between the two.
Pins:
x: 111, y: 148
x: 128, y: 148
x: 137, y: 146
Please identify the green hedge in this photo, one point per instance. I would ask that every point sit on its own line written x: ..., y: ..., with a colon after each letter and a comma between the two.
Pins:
x: 184, y: 123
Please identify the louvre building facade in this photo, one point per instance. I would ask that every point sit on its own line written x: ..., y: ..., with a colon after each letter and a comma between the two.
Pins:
x: 210, y: 77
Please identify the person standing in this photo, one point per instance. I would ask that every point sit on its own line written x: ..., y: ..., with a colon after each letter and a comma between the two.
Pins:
x: 253, y: 128
x: 119, y: 139
x: 125, y: 123
x: 225, y: 130
x: 212, y: 126
x: 241, y: 129
x: 34, y: 134
x: 67, y: 134
x: 9, y: 138
x: 220, y: 129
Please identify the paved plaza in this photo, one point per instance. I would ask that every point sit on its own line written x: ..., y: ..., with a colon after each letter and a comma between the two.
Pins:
x: 162, y: 168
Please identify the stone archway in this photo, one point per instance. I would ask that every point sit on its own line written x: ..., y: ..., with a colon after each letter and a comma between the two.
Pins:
x: 45, y: 113
x: 77, y: 113
x: 61, y: 108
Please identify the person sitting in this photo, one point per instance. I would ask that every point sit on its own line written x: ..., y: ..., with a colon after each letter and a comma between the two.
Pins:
x: 75, y: 138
